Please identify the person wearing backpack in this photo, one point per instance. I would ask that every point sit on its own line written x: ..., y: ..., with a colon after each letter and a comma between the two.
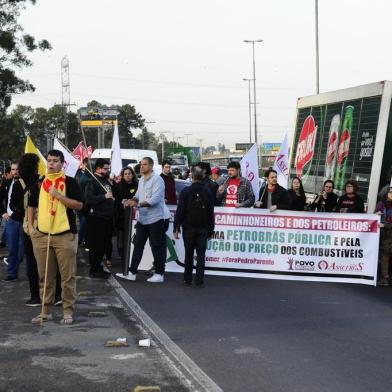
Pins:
x: 195, y: 213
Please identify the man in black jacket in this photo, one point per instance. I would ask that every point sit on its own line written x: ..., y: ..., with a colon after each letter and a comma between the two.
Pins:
x: 13, y: 228
x: 195, y: 213
x: 99, y: 223
x: 210, y: 184
x: 272, y: 195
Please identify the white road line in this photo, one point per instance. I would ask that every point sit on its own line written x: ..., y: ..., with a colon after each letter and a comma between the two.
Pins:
x: 197, y: 378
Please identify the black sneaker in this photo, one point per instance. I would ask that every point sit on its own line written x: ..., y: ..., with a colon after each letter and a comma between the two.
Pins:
x: 10, y: 278
x: 58, y: 302
x: 33, y: 302
x: 185, y: 283
x: 100, y: 275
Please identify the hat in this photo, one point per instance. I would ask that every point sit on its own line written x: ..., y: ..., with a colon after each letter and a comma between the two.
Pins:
x: 215, y: 170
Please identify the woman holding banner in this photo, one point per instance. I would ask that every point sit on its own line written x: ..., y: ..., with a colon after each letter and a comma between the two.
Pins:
x: 296, y: 193
x: 351, y: 202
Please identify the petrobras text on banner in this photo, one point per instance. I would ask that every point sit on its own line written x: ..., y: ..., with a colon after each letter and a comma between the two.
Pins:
x: 286, y: 245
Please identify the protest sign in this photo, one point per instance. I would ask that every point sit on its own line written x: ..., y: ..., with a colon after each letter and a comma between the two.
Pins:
x: 287, y: 245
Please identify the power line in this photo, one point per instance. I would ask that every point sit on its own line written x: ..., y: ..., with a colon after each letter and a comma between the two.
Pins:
x: 204, y: 85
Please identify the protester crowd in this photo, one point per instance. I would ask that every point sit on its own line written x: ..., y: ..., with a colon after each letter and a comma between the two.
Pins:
x: 39, y: 220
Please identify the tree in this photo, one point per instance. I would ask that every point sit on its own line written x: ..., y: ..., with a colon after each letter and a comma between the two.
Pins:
x: 14, y: 49
x: 128, y: 119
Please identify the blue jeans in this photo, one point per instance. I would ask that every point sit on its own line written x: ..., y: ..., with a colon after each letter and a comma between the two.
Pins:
x: 15, y: 246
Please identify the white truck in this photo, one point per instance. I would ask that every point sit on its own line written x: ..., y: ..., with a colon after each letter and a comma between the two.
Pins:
x: 129, y: 157
x: 342, y: 135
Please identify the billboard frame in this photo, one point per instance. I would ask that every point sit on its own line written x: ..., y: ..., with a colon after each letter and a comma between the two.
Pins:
x: 383, y: 89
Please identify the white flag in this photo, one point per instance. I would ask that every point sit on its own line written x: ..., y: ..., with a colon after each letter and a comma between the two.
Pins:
x: 250, y: 169
x: 281, y: 164
x: 116, y: 163
x: 71, y: 164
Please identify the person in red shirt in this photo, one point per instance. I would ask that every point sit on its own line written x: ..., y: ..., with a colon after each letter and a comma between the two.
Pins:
x: 236, y: 191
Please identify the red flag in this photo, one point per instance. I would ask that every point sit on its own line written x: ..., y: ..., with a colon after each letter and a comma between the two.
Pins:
x: 78, y: 152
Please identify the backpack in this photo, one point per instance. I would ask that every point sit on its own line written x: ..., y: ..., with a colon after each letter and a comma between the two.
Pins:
x: 26, y: 194
x: 196, y: 212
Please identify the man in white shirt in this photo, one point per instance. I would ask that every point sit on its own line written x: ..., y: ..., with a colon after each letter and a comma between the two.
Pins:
x: 150, y: 200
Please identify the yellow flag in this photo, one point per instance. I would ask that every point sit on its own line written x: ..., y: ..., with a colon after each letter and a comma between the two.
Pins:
x: 30, y: 147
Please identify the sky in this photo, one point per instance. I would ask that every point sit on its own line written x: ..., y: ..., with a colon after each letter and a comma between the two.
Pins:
x: 181, y: 63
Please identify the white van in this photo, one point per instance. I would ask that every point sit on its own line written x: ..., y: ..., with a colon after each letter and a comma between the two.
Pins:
x: 129, y: 157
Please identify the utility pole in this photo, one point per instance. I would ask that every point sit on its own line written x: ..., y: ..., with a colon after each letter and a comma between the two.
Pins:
x: 201, y: 148
x: 186, y: 135
x: 254, y: 82
x: 317, y: 48
x: 65, y: 94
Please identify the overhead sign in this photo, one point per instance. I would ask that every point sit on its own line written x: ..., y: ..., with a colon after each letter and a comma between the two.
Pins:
x: 243, y: 146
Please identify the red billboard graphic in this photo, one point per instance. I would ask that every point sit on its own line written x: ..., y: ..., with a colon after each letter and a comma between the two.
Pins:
x: 306, y: 142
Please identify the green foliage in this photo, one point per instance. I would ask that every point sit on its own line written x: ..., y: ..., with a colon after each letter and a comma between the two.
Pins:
x: 41, y: 124
x: 14, y: 49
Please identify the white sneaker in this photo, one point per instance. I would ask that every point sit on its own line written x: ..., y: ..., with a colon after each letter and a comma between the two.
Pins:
x: 130, y: 276
x: 156, y: 278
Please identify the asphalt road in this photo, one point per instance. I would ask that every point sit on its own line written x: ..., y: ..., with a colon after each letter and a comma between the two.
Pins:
x: 74, y: 358
x: 270, y: 335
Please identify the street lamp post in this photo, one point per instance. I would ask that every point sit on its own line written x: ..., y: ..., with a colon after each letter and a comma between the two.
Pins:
x: 201, y: 148
x: 162, y: 135
x: 254, y: 80
x: 317, y: 49
x: 186, y: 135
x: 250, y: 111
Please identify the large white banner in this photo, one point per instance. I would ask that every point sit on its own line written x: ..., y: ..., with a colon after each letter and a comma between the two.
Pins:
x: 289, y: 245
x: 250, y: 169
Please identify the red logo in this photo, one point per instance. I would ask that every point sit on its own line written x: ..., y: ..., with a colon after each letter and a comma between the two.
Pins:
x: 306, y: 142
x: 343, y: 146
x: 331, y: 147
x: 280, y: 161
x: 249, y: 174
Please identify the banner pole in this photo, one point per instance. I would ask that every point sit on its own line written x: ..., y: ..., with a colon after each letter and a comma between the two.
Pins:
x: 127, y: 239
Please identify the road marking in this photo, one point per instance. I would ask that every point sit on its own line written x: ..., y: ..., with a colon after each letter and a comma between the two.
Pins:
x: 184, y: 366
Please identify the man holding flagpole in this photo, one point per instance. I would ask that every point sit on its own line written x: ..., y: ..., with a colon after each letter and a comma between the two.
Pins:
x: 54, y: 235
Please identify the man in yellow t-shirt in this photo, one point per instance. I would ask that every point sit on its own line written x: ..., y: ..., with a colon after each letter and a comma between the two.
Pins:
x: 54, y: 202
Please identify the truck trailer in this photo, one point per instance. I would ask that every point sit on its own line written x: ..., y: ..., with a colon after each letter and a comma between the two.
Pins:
x: 344, y: 134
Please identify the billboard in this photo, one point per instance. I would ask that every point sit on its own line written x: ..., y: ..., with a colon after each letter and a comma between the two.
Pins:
x: 341, y: 136
x: 97, y: 117
x: 270, y: 148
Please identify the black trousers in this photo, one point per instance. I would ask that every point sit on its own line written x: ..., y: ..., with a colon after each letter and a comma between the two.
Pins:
x: 32, y: 271
x: 155, y: 232
x: 98, y: 232
x: 195, y: 238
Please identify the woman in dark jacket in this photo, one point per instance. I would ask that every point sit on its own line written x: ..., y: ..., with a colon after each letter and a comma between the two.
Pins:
x: 384, y: 208
x: 297, y: 198
x: 124, y: 190
x: 351, y: 202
